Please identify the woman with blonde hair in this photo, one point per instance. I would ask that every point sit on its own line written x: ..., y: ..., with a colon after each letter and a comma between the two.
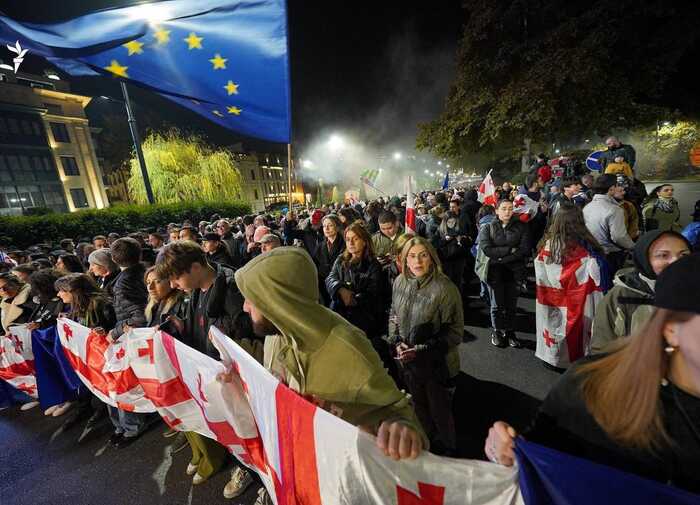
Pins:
x: 636, y: 408
x: 425, y: 327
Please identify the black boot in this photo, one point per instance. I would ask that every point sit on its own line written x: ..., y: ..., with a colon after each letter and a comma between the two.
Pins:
x: 513, y: 340
x: 498, y: 338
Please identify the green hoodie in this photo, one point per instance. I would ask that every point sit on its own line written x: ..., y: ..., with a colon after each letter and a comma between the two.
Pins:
x: 318, y: 353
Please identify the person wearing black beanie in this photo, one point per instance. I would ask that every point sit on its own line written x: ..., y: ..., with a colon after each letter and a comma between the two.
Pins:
x: 628, y: 305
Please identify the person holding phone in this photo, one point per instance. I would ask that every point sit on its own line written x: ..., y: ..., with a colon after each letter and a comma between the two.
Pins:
x: 425, y: 327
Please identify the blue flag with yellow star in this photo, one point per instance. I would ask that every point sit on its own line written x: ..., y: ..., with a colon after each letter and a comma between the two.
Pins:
x: 224, y: 59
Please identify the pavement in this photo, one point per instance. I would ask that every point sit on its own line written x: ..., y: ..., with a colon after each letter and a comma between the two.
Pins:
x: 40, y: 463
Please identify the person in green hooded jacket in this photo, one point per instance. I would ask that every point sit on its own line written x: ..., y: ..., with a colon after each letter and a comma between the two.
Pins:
x: 627, y: 307
x: 306, y: 344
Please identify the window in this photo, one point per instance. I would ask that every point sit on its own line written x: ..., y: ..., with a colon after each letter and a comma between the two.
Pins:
x: 54, y: 196
x: 26, y: 167
x: 5, y: 175
x: 60, y: 132
x: 48, y: 166
x: 36, y: 128
x: 70, y: 167
x: 3, y: 124
x: 252, y: 174
x: 13, y: 124
x: 13, y: 163
x: 255, y: 192
x: 26, y: 127
x: 79, y: 198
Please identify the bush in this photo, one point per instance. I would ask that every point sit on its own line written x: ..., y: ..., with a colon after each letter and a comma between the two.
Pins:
x: 25, y: 231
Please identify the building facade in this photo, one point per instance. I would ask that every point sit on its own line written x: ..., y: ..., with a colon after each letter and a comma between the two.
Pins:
x: 264, y: 180
x: 47, y: 157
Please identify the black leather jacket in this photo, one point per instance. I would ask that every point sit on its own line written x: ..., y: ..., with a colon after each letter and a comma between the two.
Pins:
x: 366, y: 281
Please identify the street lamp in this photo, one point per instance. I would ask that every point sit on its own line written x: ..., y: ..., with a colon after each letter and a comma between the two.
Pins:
x: 336, y: 142
x: 52, y: 75
x: 439, y: 162
x: 307, y: 163
x: 397, y: 155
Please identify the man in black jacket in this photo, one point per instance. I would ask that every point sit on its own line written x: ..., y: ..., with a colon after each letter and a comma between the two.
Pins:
x: 217, y: 250
x: 130, y: 298
x: 214, y: 301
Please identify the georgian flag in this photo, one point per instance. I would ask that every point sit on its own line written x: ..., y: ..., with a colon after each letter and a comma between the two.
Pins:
x: 525, y: 207
x: 103, y: 367
x: 487, y: 191
x: 311, y: 457
x: 17, y: 360
x: 181, y: 383
x: 567, y: 296
x: 410, y: 225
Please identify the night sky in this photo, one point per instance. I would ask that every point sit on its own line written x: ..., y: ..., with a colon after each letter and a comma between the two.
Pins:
x: 372, y: 69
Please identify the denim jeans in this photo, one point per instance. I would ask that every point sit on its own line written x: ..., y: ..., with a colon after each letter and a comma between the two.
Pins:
x: 129, y: 424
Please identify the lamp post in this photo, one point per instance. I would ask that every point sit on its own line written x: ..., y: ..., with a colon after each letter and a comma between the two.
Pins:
x: 133, y: 128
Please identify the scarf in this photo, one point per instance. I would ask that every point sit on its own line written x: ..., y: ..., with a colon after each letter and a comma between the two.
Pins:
x: 665, y: 204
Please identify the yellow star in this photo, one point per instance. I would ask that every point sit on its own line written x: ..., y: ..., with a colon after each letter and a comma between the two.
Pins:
x: 217, y: 113
x: 232, y: 88
x: 218, y: 61
x: 162, y: 36
x: 134, y: 47
x: 234, y: 110
x: 194, y: 42
x: 117, y: 69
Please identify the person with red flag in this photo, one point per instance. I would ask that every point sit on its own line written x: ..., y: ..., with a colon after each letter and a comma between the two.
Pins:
x: 306, y: 345
x: 487, y: 191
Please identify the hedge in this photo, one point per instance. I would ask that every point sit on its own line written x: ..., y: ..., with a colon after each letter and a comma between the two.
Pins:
x: 24, y: 231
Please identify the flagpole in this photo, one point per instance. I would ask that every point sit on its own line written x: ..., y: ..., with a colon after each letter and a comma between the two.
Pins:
x: 137, y: 144
x: 290, y: 163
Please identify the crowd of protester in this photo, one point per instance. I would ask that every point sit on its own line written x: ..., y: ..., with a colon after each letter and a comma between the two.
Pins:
x: 346, y: 288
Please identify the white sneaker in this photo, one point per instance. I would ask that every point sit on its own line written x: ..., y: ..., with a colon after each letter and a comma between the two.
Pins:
x: 197, y: 479
x: 191, y: 469
x: 62, y: 409
x: 29, y: 405
x: 51, y: 410
x: 263, y: 497
x: 240, y: 480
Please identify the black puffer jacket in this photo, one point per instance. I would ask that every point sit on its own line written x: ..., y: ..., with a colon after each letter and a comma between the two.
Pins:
x: 366, y: 281
x: 509, y: 246
x: 130, y: 299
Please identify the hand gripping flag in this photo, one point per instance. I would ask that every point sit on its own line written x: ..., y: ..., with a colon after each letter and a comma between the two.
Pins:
x: 525, y: 207
x: 410, y: 225
x: 224, y: 59
x: 17, y: 360
x: 103, y: 367
x: 487, y: 191
x: 567, y: 295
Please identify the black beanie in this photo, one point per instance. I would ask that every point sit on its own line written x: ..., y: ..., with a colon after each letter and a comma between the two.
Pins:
x: 670, y: 293
x: 640, y: 253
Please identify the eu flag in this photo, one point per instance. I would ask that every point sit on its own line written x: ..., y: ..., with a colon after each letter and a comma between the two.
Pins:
x: 224, y: 59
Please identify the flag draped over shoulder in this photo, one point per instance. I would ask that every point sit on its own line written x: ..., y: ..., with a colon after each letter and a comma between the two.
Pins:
x: 224, y: 59
x: 17, y: 360
x: 567, y: 295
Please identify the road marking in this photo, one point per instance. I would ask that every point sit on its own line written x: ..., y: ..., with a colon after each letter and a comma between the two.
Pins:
x: 161, y: 471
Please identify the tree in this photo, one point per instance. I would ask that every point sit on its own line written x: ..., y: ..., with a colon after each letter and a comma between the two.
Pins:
x: 552, y: 70
x: 184, y: 169
x: 664, y: 148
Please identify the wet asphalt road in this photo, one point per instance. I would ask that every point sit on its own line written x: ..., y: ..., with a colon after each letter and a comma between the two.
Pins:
x: 42, y: 464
